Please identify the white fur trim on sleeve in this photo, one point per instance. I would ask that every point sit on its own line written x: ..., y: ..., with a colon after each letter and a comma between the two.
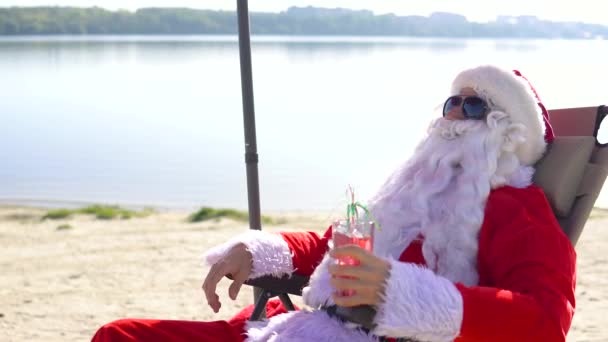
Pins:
x: 271, y: 254
x: 419, y: 304
x: 319, y: 291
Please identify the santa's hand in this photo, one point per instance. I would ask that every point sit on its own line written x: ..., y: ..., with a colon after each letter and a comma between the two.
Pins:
x: 361, y: 284
x: 238, y: 263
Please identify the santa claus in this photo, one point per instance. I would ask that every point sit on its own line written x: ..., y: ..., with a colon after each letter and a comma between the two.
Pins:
x: 468, y: 249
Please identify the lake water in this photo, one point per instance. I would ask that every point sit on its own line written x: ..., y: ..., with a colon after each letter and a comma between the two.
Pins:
x: 157, y: 120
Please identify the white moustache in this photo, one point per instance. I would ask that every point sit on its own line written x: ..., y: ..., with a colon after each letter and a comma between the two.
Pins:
x: 453, y: 129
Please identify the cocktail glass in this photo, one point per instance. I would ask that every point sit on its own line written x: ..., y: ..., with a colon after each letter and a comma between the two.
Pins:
x: 352, y: 232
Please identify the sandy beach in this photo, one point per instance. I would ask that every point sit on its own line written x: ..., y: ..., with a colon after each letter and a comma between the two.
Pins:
x: 61, y: 284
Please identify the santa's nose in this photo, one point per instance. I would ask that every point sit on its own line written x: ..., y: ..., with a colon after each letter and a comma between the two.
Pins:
x: 455, y: 114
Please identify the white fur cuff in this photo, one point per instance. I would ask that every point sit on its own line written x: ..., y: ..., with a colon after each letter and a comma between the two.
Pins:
x: 419, y: 304
x: 271, y: 254
x: 319, y: 290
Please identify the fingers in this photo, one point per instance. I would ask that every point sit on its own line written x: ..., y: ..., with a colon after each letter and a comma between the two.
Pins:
x: 360, y: 297
x: 351, y: 292
x: 341, y: 283
x: 210, y: 284
x: 354, y: 251
x: 361, y: 272
x: 370, y: 267
x: 239, y: 279
x: 345, y: 284
x: 348, y: 301
x: 234, y: 289
x: 367, y: 279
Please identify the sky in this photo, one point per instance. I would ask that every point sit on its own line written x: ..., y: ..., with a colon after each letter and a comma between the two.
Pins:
x: 589, y: 11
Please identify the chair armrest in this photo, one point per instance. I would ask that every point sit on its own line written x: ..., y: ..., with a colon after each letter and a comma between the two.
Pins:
x: 273, y: 286
x: 362, y: 314
x: 292, y: 284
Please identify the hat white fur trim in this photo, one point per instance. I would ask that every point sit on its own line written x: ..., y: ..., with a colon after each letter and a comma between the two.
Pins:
x: 507, y: 92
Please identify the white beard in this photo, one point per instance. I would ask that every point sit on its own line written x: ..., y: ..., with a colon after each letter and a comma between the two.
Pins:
x: 440, y: 193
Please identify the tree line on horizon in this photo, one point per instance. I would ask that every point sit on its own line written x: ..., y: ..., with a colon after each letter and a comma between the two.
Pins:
x: 294, y: 21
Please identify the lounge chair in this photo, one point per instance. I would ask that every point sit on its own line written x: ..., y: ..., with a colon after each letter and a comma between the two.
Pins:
x: 571, y: 173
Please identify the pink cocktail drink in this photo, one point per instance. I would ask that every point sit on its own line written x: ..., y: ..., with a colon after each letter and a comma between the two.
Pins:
x: 342, y: 239
x: 359, y: 234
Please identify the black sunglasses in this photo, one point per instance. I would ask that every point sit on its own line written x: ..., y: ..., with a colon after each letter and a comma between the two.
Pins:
x: 473, y: 107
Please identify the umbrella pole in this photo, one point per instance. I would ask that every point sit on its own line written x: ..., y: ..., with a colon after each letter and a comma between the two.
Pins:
x: 251, y: 154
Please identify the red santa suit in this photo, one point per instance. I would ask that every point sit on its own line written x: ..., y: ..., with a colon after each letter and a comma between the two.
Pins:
x: 525, y: 291
x: 526, y: 281
x: 475, y: 251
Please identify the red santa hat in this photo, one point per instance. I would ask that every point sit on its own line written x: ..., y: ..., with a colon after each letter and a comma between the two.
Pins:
x: 510, y: 92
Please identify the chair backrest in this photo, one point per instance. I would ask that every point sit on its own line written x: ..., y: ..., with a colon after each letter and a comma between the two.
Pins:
x: 574, y: 169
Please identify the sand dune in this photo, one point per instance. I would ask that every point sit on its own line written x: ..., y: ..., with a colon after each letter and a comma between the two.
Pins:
x: 62, y: 284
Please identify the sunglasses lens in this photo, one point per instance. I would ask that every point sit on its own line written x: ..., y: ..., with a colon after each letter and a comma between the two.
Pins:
x: 474, y: 107
x: 451, y: 102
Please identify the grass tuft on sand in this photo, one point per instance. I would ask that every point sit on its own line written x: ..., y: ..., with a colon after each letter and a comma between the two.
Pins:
x: 207, y: 213
x: 64, y: 227
x: 101, y: 212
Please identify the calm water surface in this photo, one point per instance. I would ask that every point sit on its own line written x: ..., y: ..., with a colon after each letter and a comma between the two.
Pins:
x: 158, y: 120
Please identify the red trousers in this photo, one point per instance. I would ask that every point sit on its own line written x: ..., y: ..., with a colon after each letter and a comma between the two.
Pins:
x: 154, y: 330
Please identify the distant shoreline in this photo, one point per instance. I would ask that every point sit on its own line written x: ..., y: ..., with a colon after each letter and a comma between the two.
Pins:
x: 42, y: 20
x: 259, y: 38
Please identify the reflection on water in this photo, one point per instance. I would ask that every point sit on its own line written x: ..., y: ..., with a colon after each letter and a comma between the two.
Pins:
x: 97, y: 48
x: 157, y: 119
